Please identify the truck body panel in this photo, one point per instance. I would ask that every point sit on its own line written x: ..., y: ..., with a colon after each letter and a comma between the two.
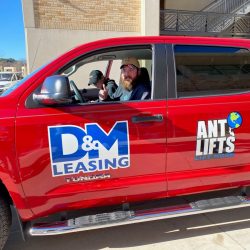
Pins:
x: 165, y: 147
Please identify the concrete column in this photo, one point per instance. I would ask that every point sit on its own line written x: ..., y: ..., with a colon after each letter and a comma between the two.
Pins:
x: 28, y: 14
x: 150, y: 17
x: 29, y: 23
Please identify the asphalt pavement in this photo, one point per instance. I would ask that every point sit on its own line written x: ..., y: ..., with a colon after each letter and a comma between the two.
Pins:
x: 228, y: 229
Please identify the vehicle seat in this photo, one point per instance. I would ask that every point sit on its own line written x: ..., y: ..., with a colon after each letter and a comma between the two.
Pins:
x: 144, y: 77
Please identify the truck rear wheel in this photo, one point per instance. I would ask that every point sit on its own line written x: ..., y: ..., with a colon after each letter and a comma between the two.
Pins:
x: 5, y: 222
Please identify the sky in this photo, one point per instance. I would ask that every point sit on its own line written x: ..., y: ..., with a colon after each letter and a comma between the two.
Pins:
x: 12, y: 39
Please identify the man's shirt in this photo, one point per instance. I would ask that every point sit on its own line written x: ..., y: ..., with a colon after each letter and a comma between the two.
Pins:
x: 139, y: 92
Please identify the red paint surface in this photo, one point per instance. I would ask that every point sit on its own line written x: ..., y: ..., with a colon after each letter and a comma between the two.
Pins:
x: 162, y: 154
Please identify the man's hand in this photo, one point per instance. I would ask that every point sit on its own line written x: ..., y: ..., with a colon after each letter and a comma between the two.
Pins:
x: 103, y: 93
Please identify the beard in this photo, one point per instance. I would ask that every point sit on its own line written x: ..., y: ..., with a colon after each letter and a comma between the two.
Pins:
x: 128, y: 83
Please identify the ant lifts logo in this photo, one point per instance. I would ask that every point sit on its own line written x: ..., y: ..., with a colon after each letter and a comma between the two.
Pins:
x: 216, y: 138
x: 76, y: 150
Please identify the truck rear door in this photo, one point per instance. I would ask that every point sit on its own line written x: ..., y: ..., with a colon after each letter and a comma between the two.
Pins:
x: 208, y: 117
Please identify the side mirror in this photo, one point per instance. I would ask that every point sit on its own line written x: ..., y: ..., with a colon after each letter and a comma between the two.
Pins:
x: 55, y: 90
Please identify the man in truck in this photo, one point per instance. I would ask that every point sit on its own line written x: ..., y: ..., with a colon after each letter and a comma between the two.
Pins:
x: 131, y: 88
x: 97, y: 79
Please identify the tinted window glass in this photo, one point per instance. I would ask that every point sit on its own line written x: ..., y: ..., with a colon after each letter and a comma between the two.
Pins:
x: 209, y: 70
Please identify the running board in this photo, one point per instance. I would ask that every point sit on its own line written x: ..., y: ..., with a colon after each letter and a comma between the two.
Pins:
x: 118, y: 218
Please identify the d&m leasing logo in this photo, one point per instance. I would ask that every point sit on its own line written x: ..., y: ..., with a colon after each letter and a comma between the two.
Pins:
x: 75, y: 150
x: 216, y: 138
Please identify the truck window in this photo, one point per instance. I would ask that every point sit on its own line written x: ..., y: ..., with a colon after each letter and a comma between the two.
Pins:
x: 109, y: 63
x: 211, y: 70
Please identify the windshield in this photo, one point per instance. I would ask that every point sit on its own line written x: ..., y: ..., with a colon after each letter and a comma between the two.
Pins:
x: 5, y: 76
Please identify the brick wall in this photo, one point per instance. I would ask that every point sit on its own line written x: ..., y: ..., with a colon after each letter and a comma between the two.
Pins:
x: 101, y: 15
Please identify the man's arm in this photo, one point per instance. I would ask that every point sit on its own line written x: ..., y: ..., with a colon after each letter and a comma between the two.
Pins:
x: 103, y: 93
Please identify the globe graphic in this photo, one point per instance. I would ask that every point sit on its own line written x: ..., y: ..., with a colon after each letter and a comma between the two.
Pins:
x: 234, y: 120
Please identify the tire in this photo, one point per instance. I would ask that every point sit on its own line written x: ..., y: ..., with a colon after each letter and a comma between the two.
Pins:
x: 5, y: 222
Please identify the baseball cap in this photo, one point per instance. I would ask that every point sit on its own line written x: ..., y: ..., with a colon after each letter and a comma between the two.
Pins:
x: 95, y: 76
x: 130, y: 60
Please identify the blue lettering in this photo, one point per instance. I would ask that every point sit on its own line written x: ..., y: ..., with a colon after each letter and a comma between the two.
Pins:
x: 80, y: 167
x: 100, y: 165
x: 92, y: 166
x: 68, y: 144
x: 123, y: 162
x: 68, y: 168
x: 214, y: 156
x: 56, y: 144
x: 118, y: 133
x: 55, y: 170
x: 110, y: 164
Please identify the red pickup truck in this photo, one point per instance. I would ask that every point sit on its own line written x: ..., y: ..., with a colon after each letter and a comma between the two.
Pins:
x: 70, y: 163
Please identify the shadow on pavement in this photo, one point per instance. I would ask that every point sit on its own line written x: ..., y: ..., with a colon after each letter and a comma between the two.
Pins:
x: 136, y: 235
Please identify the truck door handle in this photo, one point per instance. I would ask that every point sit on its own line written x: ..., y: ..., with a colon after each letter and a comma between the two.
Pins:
x: 151, y: 118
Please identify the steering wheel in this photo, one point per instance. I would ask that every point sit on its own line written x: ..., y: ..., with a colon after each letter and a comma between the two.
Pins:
x: 76, y: 91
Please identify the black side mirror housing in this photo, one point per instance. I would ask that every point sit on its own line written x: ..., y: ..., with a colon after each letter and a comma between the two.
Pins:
x: 55, y: 90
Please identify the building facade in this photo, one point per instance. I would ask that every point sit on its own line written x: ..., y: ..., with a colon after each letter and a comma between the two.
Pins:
x: 55, y: 26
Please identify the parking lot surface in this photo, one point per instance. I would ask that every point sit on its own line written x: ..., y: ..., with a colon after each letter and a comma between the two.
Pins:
x: 218, y: 230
